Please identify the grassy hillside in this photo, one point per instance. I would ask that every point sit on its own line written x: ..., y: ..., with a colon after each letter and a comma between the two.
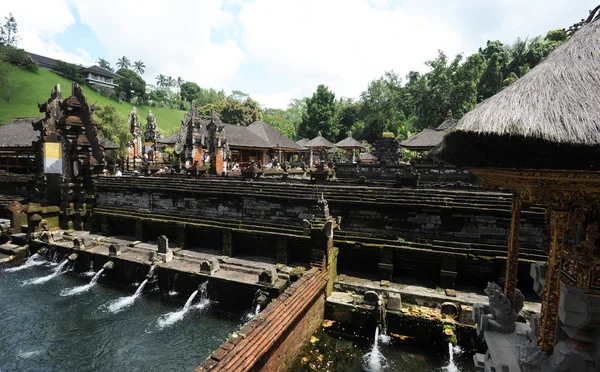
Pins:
x: 30, y: 88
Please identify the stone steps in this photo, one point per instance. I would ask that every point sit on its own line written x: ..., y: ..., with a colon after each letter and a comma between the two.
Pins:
x: 378, y: 195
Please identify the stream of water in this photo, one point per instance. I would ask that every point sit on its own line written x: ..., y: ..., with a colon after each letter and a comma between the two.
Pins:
x: 43, y: 331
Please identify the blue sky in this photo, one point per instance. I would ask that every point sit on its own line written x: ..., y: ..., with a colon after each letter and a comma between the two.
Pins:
x: 277, y: 50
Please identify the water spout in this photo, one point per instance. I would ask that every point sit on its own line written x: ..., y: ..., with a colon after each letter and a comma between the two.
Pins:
x: 34, y: 260
x: 121, y: 303
x: 56, y: 272
x: 151, y: 272
x: 374, y: 361
x: 109, y: 265
x: 453, y: 350
x: 173, y: 317
x: 82, y: 288
x: 73, y: 257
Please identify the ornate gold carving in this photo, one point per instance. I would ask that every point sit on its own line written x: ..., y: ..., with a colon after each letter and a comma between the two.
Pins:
x: 551, y: 295
x: 512, y: 258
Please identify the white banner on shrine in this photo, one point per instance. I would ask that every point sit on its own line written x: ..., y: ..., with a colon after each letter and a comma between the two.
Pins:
x: 53, y: 158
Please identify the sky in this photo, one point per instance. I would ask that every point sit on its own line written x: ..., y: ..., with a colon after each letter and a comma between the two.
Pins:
x: 279, y: 50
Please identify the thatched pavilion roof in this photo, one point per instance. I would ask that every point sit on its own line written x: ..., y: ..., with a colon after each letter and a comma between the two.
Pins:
x: 349, y: 143
x: 549, y: 118
x: 427, y: 139
x: 319, y: 142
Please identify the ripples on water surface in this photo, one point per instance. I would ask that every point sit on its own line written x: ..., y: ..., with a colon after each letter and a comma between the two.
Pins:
x: 43, y: 331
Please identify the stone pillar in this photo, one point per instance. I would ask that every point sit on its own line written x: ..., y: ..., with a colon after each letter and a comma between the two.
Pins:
x: 282, y: 250
x: 448, y: 272
x: 104, y: 227
x: 164, y: 252
x: 227, y: 249
x: 18, y: 217
x: 139, y: 230
x: 512, y: 258
x: 386, y: 264
x: 219, y: 166
x: 551, y: 295
x: 181, y: 236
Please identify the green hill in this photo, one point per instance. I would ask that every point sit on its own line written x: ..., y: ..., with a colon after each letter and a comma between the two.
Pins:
x: 31, y: 88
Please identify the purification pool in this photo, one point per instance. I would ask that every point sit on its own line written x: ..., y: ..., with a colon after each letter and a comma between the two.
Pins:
x: 48, y: 322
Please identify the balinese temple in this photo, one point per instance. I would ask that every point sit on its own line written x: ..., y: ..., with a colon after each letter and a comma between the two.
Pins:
x: 367, y: 158
x: 16, y: 145
x: 351, y: 146
x: 256, y: 143
x: 68, y: 154
x: 540, y: 137
x: 427, y: 139
x: 319, y: 145
x: 282, y: 147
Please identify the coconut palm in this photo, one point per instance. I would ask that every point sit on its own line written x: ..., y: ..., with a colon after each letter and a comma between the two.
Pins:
x: 139, y: 67
x: 123, y: 62
x: 179, y: 82
x: 161, y: 80
x: 101, y: 62
x: 170, y: 82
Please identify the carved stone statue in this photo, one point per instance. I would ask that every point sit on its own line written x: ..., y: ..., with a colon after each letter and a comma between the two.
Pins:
x: 502, y: 313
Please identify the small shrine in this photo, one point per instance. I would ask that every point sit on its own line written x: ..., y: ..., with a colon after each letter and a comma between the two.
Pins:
x: 540, y: 138
x: 350, y: 145
x: 387, y: 149
x: 68, y: 156
x: 151, y: 135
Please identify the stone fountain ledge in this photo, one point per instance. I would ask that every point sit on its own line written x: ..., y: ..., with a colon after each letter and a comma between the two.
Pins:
x: 416, y: 295
x: 146, y: 253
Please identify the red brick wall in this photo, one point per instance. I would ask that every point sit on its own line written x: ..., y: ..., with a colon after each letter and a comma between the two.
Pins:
x: 272, y: 340
x: 286, y: 350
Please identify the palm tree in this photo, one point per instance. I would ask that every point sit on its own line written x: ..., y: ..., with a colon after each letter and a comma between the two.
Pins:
x: 179, y: 82
x: 123, y: 62
x: 170, y: 82
x: 104, y: 64
x: 139, y: 67
x: 161, y: 80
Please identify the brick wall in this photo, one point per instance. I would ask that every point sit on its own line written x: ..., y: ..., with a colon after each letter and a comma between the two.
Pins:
x: 286, y: 351
x: 273, y: 339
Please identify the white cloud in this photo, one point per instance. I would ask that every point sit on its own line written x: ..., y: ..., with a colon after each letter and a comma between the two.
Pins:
x: 38, y: 24
x: 172, y: 38
x: 347, y: 43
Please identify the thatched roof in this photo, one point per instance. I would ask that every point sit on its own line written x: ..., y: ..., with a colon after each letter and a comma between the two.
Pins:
x: 427, y: 139
x: 319, y: 142
x: 273, y: 136
x: 367, y: 156
x: 550, y: 117
x: 349, y: 143
x: 236, y: 135
x: 302, y: 142
x: 19, y: 132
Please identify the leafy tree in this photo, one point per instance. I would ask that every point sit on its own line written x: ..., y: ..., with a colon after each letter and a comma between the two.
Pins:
x: 492, y: 77
x: 209, y: 96
x: 123, y: 63
x: 69, y: 71
x: 241, y: 113
x: 114, y: 126
x: 189, y: 91
x: 381, y: 106
x: 348, y: 113
x: 277, y: 118
x: 104, y: 64
x: 139, y: 67
x: 320, y: 115
x: 239, y: 95
x: 9, y: 33
x: 131, y: 85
